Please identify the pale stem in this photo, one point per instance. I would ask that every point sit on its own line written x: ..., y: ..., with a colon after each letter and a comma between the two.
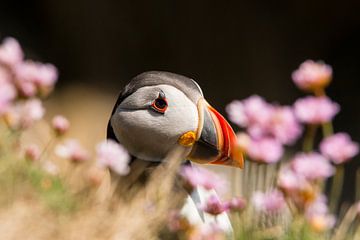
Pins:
x: 345, y: 224
x: 336, y: 188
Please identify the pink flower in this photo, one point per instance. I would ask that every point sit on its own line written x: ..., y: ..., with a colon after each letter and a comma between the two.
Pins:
x: 50, y: 168
x: 315, y: 110
x: 200, y: 177
x: 256, y: 110
x: 312, y: 166
x: 265, y: 120
x: 214, y: 206
x: 290, y: 181
x: 253, y: 110
x: 111, y: 154
x: 283, y: 125
x: 317, y: 215
x: 296, y: 187
x: 72, y: 149
x: 23, y: 114
x: 236, y: 114
x: 60, y: 124
x: 33, y: 76
x: 207, y: 232
x: 7, y: 95
x: 265, y: 150
x: 177, y: 222
x: 237, y: 204
x: 339, y: 148
x: 10, y: 52
x: 270, y: 202
x: 312, y: 75
x: 32, y: 152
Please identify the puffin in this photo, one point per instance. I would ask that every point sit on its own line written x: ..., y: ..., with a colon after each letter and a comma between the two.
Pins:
x: 157, y: 111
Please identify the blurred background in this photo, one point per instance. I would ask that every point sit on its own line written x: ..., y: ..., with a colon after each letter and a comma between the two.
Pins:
x: 233, y: 49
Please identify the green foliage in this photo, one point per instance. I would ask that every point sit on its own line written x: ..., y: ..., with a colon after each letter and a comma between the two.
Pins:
x: 20, y: 179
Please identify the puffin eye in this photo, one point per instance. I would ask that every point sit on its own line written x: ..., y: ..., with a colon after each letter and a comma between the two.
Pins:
x: 160, y: 105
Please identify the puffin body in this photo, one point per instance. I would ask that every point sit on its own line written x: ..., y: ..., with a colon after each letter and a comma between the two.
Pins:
x: 158, y: 111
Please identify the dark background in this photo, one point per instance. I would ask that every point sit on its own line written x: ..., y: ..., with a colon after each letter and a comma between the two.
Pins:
x: 231, y: 48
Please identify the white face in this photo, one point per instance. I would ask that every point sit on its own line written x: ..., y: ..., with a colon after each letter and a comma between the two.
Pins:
x: 148, y: 134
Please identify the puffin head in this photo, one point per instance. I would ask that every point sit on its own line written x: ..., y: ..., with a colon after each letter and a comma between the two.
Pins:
x: 157, y: 111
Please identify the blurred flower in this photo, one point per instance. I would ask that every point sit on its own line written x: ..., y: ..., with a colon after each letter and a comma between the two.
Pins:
x: 237, y: 204
x: 296, y: 187
x: 315, y: 110
x: 207, y: 232
x: 283, y: 125
x: 23, y: 114
x: 71, y: 149
x: 250, y: 111
x: 318, y: 216
x: 290, y: 180
x: 321, y: 223
x: 10, y: 52
x: 256, y: 110
x: 268, y: 202
x: 214, y: 206
x: 34, y: 76
x: 32, y: 152
x: 265, y: 150
x: 339, y: 148
x: 50, y: 168
x: 60, y: 125
x: 200, y: 177
x: 265, y: 120
x: 236, y: 114
x: 7, y: 95
x: 113, y: 155
x: 312, y: 75
x: 243, y: 141
x: 95, y: 176
x: 177, y: 222
x: 312, y: 166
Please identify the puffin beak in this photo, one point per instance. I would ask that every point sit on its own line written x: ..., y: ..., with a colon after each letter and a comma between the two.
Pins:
x: 215, y: 139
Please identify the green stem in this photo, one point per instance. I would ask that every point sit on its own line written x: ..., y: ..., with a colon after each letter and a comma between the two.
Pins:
x: 336, y: 188
x: 327, y: 129
x: 308, y: 143
x: 47, y: 146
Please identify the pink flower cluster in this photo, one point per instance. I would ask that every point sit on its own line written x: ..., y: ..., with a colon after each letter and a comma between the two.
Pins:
x: 298, y: 179
x: 339, y: 148
x: 73, y: 150
x: 315, y: 110
x: 269, y: 202
x: 318, y: 215
x: 215, y: 206
x: 28, y: 77
x: 114, y: 156
x: 21, y: 83
x: 269, y: 127
x: 312, y: 166
x: 60, y: 125
x: 23, y: 114
x: 200, y: 177
x: 312, y: 76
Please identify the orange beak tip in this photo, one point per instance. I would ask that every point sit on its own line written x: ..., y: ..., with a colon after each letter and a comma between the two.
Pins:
x: 231, y: 154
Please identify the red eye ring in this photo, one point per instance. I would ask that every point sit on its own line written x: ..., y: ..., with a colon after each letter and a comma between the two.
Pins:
x: 159, y: 105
